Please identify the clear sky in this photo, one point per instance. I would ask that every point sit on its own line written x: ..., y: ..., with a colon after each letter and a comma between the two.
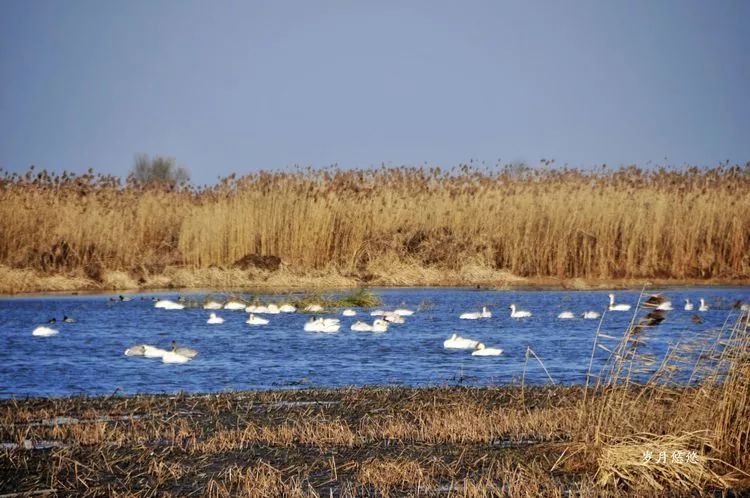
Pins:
x: 242, y: 86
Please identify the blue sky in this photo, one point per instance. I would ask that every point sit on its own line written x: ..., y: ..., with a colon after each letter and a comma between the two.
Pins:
x: 240, y: 86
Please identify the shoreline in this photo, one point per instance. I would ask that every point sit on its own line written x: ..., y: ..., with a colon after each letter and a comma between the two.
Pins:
x: 27, y: 282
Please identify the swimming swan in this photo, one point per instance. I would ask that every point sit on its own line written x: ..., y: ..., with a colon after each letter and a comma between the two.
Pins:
x: 349, y: 312
x: 234, y: 305
x: 380, y: 326
x: 166, y: 304
x: 591, y: 315
x: 703, y: 306
x: 361, y: 327
x: 688, y: 305
x: 482, y: 350
x: 393, y: 318
x: 566, y: 315
x: 43, y: 331
x: 476, y: 315
x: 287, y: 308
x: 403, y: 312
x: 212, y: 305
x: 518, y: 313
x: 171, y: 357
x: 377, y: 313
x: 617, y: 307
x: 457, y: 342
x: 256, y: 320
x: 313, y: 308
x: 214, y: 320
x: 322, y: 325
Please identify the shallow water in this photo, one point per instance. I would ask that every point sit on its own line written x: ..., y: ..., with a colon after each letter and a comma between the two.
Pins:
x: 86, y: 357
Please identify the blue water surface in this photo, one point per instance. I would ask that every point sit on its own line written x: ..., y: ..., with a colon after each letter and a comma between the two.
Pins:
x: 86, y: 357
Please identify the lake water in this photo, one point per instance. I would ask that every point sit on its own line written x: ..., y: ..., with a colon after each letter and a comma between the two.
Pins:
x: 87, y: 357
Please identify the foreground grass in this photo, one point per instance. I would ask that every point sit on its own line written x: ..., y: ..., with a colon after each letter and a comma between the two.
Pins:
x: 351, y: 442
x: 405, y: 226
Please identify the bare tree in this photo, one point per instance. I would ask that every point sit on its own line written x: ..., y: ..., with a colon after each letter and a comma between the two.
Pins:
x: 159, y: 170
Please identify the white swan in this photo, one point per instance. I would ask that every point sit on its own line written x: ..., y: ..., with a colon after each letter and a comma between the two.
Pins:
x: 457, y: 342
x: 377, y: 313
x: 172, y: 357
x: 349, y: 312
x: 566, y: 315
x: 234, y: 305
x: 403, y: 312
x: 320, y: 325
x: 313, y: 308
x: 482, y: 350
x: 287, y: 308
x: 665, y: 306
x: 273, y: 309
x: 703, y: 306
x: 393, y: 318
x: 617, y: 307
x: 214, y: 320
x: 212, y: 305
x: 166, y: 304
x: 591, y: 315
x: 380, y: 326
x: 361, y: 327
x: 518, y: 313
x: 476, y: 315
x: 256, y: 320
x: 688, y: 305
x: 43, y: 331
x: 152, y: 352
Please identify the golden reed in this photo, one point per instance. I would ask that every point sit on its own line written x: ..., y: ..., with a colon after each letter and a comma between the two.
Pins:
x: 627, y: 223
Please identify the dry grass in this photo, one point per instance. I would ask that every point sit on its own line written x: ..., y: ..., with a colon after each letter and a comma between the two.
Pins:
x: 403, y: 226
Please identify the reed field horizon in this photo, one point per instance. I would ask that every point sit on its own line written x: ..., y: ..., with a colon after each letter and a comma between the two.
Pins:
x: 389, y: 226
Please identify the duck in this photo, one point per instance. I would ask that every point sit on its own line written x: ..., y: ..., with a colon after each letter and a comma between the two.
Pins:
x: 313, y: 308
x: 212, y: 305
x: 403, y: 312
x: 166, y: 304
x: 124, y: 299
x: 688, y: 305
x: 566, y: 315
x: 43, y: 331
x: 518, y: 313
x: 617, y: 307
x: 457, y: 342
x: 476, y: 315
x: 234, y: 305
x: 591, y: 315
x: 703, y: 306
x: 482, y: 350
x: 696, y: 319
x: 393, y: 318
x: 349, y: 312
x: 256, y: 320
x: 189, y: 352
x: 68, y: 319
x: 214, y: 320
x: 287, y: 308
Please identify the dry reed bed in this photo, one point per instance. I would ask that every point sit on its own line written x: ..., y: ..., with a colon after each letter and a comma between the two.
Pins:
x: 388, y: 226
